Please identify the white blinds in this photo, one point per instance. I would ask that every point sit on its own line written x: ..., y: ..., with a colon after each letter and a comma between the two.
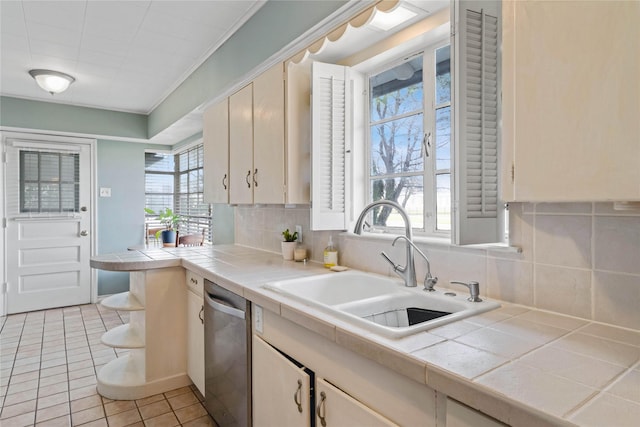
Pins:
x: 478, y: 212
x: 330, y: 137
x: 482, y: 114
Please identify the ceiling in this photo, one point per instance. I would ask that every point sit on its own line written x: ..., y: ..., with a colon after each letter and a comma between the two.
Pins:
x: 125, y: 55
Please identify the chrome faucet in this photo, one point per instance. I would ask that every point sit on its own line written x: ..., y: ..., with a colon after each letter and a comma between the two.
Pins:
x: 429, y: 280
x: 408, y: 272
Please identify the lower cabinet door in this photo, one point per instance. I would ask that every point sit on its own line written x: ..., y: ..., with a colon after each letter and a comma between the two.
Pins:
x: 195, y: 340
x: 335, y: 408
x: 281, y: 389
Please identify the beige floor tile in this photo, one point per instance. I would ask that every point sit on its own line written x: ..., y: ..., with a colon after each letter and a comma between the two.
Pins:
x: 204, y: 421
x: 87, y: 415
x: 27, y: 368
x: 52, y: 412
x: 23, y: 396
x: 118, y: 406
x: 190, y: 413
x: 124, y: 418
x: 47, y: 372
x: 82, y: 382
x: 53, y: 379
x: 15, y: 379
x: 53, y: 389
x: 182, y: 400
x: 177, y: 391
x: 102, y: 422
x: 166, y: 420
x: 154, y: 409
x: 83, y: 364
x: 63, y: 421
x: 54, y: 399
x: 23, y: 386
x: 81, y: 373
x: 79, y: 393
x: 86, y: 403
x: 18, y: 409
x: 150, y: 399
x: 23, y: 420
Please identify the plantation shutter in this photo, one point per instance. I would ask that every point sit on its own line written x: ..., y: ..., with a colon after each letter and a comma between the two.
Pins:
x: 478, y: 212
x: 330, y: 142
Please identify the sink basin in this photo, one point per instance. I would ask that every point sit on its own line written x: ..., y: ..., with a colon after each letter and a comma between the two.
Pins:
x: 380, y: 304
x: 336, y: 288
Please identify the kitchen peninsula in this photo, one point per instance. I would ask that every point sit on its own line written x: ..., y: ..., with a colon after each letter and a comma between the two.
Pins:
x: 514, y: 365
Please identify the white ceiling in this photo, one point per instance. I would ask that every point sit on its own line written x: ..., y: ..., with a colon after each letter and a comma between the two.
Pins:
x: 125, y: 55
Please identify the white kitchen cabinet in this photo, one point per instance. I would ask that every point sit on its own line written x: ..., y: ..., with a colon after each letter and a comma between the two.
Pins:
x: 256, y: 140
x: 216, y: 152
x: 268, y: 136
x: 281, y: 389
x: 336, y: 408
x: 571, y: 101
x: 195, y: 330
x: 459, y: 415
x: 241, y: 146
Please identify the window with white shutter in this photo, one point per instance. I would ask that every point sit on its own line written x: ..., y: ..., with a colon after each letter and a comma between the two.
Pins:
x: 330, y: 136
x: 478, y: 213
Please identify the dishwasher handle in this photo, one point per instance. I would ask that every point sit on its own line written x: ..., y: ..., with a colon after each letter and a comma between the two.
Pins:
x: 223, y: 306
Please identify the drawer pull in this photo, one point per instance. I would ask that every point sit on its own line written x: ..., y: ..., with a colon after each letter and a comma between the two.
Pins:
x: 200, y: 315
x: 320, y: 410
x: 297, y: 396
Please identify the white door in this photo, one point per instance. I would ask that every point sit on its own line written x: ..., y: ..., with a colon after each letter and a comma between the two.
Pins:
x: 48, y: 201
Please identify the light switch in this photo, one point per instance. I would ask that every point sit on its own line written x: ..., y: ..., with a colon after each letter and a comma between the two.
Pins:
x: 105, y: 192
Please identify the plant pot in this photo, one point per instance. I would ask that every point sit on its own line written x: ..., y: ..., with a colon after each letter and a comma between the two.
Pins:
x: 288, y: 249
x: 168, y: 238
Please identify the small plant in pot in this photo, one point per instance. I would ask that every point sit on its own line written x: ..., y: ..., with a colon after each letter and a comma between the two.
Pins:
x: 170, y: 220
x: 289, y: 244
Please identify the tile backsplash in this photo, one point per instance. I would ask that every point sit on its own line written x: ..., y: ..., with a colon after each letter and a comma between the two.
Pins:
x: 581, y: 259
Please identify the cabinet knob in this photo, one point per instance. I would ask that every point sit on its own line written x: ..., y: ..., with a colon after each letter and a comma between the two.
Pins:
x: 247, y: 178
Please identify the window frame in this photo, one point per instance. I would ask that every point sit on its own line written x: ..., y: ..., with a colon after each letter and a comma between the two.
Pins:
x: 191, y: 227
x: 429, y: 122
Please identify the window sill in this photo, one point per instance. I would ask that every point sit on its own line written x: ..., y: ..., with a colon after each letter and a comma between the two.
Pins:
x: 432, y: 241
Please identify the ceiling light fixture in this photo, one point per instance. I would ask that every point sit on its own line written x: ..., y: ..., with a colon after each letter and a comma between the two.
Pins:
x: 52, y: 81
x: 387, y: 20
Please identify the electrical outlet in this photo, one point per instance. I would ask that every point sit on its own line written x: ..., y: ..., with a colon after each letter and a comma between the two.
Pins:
x: 299, y: 231
x: 257, y: 317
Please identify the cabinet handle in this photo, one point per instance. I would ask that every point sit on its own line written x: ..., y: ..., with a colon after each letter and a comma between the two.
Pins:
x: 255, y: 181
x: 194, y: 280
x: 297, y: 396
x: 224, y: 181
x: 247, y: 179
x: 320, y: 410
x: 200, y: 315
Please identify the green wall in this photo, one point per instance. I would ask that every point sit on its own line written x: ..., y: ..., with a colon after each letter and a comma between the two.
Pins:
x: 121, y: 216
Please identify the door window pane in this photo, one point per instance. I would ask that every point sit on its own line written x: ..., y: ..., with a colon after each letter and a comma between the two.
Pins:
x: 49, y: 182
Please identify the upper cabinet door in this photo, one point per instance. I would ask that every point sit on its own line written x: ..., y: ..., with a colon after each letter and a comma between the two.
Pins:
x: 241, y: 146
x: 268, y: 136
x: 216, y: 153
x: 571, y: 98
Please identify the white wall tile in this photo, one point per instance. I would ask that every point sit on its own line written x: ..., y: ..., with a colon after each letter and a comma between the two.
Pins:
x: 563, y: 240
x: 566, y: 290
x: 510, y: 281
x: 617, y: 244
x: 617, y: 299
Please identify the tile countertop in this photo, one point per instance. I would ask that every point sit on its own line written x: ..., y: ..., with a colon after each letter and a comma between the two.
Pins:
x: 520, y: 365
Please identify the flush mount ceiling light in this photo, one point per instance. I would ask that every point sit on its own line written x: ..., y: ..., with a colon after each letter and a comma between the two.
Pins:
x: 388, y: 20
x: 52, y: 81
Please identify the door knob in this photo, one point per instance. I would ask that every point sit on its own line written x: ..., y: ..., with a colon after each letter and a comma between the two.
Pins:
x: 84, y: 233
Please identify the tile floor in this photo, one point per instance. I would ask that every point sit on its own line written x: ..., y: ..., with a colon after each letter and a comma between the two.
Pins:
x: 48, y: 365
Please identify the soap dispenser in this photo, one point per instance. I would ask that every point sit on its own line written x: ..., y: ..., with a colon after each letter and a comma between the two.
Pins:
x: 330, y: 254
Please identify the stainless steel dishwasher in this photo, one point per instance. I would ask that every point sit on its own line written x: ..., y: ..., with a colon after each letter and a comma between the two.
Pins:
x: 227, y: 352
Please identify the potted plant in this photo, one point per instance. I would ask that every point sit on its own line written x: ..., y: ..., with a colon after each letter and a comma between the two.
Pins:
x: 170, y: 220
x: 289, y: 244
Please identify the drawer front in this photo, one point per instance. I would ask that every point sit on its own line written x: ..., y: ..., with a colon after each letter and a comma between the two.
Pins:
x: 195, y: 283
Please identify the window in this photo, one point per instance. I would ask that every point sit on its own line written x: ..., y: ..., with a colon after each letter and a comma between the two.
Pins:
x: 410, y: 141
x: 49, y: 182
x: 176, y: 181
